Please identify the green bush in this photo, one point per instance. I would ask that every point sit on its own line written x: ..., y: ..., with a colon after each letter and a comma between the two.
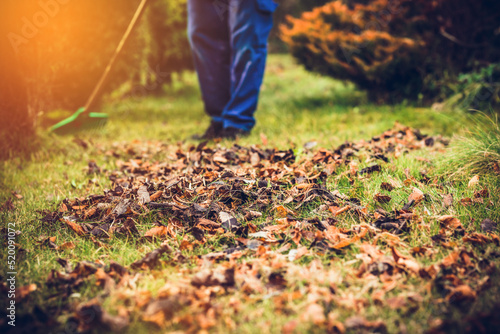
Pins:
x: 397, y: 50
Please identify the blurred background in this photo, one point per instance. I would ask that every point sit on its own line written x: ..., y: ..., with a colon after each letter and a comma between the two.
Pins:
x: 440, y: 53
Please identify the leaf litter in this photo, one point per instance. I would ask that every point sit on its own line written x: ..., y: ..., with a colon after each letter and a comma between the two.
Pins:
x: 270, y: 220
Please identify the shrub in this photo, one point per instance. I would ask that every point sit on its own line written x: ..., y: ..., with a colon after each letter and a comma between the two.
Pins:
x: 396, y: 49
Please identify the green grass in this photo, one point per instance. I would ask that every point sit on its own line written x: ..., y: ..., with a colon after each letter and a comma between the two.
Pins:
x: 296, y: 107
x: 477, y: 151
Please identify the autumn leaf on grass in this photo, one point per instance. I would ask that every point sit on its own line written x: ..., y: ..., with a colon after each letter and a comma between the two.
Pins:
x: 487, y: 225
x: 229, y: 223
x: 66, y: 245
x: 448, y: 200
x: 479, y: 238
x: 359, y: 324
x: 156, y: 195
x: 474, y: 181
x: 209, y: 277
x: 158, y: 232
x: 451, y: 223
x: 386, y: 186
x: 415, y: 197
x: 207, y: 224
x: 345, y: 243
x: 143, y: 195
x: 382, y: 198
x: 17, y: 195
x: 314, y: 313
x: 152, y: 259
x: 405, y: 261
x: 282, y: 212
x: 23, y: 291
x: 78, y: 229
x: 100, y: 319
x: 461, y: 293
x: 450, y: 259
x: 160, y: 311
x: 337, y: 211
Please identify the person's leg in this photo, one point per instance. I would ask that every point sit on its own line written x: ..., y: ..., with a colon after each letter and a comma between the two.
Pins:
x: 250, y: 22
x: 209, y: 38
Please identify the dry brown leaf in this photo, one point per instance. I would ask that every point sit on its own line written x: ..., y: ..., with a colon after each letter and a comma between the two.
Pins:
x: 143, y: 195
x: 158, y: 232
x: 337, y: 211
x: 461, y: 293
x: 474, y: 181
x: 314, y: 313
x: 156, y: 195
x: 78, y: 229
x: 448, y: 200
x: 283, y: 212
x: 451, y: 259
x: 386, y: 186
x: 67, y: 245
x: 24, y: 291
x: 450, y: 222
x: 382, y: 198
x: 417, y: 195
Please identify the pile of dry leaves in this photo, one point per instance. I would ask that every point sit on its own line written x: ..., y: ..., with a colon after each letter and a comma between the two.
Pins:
x: 282, y: 234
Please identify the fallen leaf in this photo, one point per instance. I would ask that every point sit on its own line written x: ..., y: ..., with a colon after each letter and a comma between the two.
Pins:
x: 209, y: 277
x: 450, y: 222
x: 448, y: 200
x: 461, y: 293
x: 382, y: 198
x: 24, y: 291
x: 156, y: 195
x: 151, y: 260
x: 417, y: 195
x: 359, y: 323
x: 143, y: 195
x: 338, y: 211
x: 314, y: 313
x: 474, y: 181
x: 386, y: 186
x: 78, y: 229
x: 487, y: 225
x: 158, y: 232
x: 229, y: 223
x: 67, y: 245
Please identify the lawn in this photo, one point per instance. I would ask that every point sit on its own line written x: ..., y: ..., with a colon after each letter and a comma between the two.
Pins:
x: 287, y: 231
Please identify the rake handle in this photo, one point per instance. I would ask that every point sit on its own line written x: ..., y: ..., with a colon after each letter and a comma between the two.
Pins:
x: 100, y: 83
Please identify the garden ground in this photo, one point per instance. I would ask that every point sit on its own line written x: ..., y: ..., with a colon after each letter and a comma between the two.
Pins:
x: 334, y: 215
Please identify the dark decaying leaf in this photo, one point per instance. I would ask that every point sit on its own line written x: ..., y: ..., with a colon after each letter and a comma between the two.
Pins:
x: 382, y: 198
x: 151, y: 260
x: 93, y: 168
x: 209, y: 277
x: 370, y: 169
x: 487, y: 225
x: 91, y: 316
x: 229, y: 223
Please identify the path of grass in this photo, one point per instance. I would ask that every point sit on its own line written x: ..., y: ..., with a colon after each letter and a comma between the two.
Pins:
x: 296, y: 107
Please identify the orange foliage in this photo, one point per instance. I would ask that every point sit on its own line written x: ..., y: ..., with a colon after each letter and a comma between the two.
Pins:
x: 388, y: 47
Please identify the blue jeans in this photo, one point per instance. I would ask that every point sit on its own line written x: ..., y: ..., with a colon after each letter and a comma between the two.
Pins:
x: 229, y: 44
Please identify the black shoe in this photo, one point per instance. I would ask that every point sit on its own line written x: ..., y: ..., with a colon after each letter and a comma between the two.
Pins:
x: 212, y: 132
x: 233, y: 133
